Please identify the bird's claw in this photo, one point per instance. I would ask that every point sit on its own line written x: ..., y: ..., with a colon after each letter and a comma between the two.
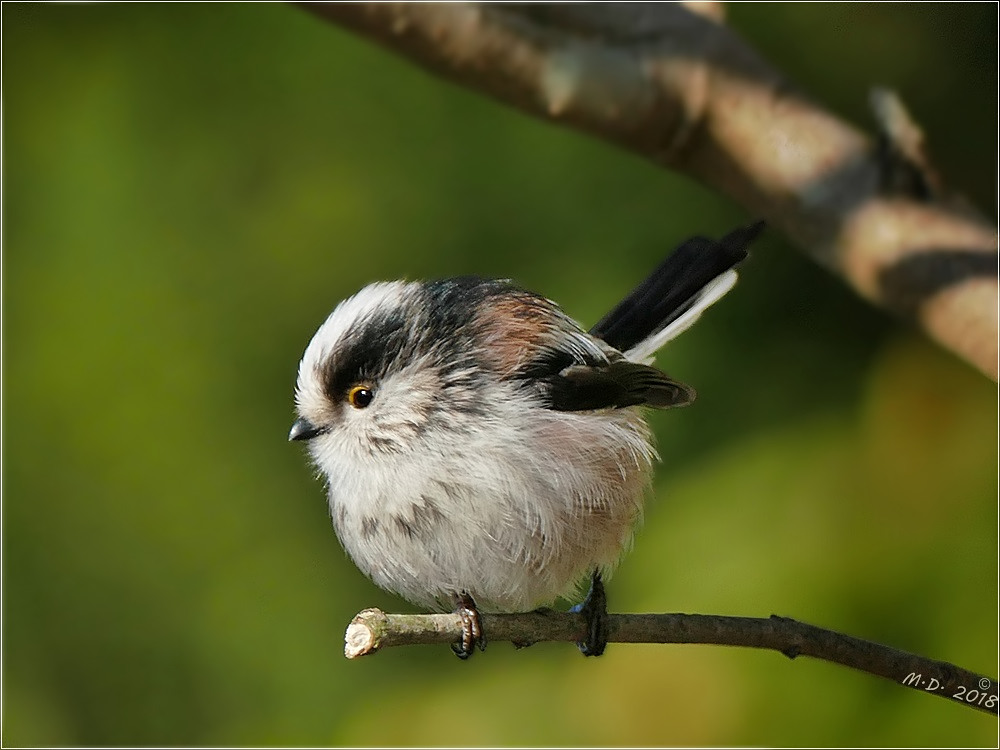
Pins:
x: 595, y: 610
x: 472, y: 627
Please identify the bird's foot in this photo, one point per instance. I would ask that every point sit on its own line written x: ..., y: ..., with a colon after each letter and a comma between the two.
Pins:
x: 595, y: 610
x: 472, y: 627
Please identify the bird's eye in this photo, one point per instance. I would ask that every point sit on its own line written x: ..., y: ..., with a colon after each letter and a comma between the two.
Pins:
x: 360, y: 396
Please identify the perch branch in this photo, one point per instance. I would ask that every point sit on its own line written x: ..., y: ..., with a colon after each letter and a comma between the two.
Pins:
x: 671, y: 83
x: 373, y: 629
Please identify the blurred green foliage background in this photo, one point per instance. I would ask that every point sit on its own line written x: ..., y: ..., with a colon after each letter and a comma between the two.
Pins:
x: 190, y: 189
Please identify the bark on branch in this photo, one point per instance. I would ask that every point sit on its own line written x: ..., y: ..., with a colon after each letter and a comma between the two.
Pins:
x: 671, y: 83
x: 373, y: 629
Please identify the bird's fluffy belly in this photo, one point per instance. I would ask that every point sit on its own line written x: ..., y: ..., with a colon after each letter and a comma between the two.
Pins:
x: 516, y: 531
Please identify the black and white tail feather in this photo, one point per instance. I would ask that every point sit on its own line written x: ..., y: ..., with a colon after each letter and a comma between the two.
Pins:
x: 696, y: 275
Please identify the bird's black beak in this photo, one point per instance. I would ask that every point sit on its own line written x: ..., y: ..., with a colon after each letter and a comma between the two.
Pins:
x: 303, y: 429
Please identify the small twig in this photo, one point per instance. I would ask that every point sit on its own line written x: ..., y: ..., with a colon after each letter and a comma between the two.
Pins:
x: 908, y: 169
x: 373, y: 629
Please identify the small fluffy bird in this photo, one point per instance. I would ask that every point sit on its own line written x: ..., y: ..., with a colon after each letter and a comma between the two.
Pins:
x: 481, y: 450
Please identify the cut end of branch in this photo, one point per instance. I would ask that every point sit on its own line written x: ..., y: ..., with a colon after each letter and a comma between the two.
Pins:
x: 362, y: 634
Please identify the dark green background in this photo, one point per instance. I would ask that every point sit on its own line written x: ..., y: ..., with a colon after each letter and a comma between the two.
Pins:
x: 188, y: 191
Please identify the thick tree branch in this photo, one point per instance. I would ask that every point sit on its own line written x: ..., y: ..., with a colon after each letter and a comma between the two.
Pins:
x: 373, y: 629
x: 672, y: 84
